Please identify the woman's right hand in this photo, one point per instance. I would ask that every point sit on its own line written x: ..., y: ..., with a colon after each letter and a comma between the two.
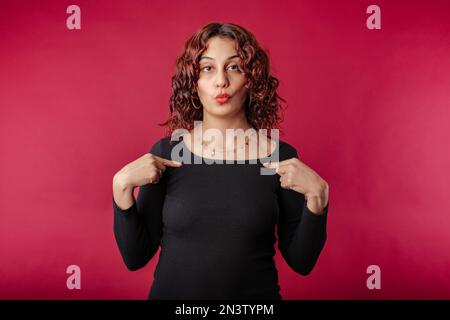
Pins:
x: 147, y: 169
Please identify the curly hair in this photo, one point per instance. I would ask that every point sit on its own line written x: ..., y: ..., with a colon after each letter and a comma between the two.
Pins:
x: 263, y: 105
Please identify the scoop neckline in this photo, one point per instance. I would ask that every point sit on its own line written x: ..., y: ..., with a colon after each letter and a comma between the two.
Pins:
x: 225, y: 161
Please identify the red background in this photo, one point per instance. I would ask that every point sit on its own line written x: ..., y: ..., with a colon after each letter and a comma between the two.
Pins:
x: 368, y: 110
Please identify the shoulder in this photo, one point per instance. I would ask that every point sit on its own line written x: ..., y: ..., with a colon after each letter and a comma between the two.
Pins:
x: 286, y: 150
x: 163, y: 146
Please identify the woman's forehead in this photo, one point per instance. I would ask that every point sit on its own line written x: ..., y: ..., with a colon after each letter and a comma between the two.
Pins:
x: 219, y: 48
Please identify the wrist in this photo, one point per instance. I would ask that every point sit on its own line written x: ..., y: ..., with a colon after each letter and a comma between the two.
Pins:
x: 317, y: 198
x: 315, y: 205
x: 318, y: 191
x: 122, y: 193
x: 121, y: 183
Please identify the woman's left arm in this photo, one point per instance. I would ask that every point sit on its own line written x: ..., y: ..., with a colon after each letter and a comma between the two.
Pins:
x: 303, y: 202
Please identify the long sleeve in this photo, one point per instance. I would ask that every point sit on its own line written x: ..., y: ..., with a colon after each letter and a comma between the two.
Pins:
x: 301, y: 233
x: 138, y: 229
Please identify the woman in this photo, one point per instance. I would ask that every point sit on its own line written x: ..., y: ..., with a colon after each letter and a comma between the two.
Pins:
x: 215, y: 221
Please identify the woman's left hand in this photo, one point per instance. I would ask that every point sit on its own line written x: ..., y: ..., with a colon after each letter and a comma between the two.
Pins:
x: 297, y: 176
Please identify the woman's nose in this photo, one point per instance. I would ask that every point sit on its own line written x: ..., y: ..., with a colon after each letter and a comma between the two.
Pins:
x: 222, y: 80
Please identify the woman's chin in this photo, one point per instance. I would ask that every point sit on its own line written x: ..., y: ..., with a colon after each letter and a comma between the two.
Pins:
x: 221, y: 109
x: 226, y: 104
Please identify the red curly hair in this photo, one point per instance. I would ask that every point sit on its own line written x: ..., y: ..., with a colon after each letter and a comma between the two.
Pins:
x: 263, y: 105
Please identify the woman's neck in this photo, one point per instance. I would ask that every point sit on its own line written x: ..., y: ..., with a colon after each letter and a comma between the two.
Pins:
x: 208, y: 143
x: 225, y: 124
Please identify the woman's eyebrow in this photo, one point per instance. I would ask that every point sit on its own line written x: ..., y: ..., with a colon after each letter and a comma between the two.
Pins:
x: 206, y: 57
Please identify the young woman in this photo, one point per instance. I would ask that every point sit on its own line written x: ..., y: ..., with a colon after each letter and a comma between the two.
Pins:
x: 214, y: 214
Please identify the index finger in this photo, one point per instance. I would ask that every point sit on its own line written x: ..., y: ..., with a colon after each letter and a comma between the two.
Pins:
x: 272, y: 165
x: 167, y: 162
x: 277, y: 164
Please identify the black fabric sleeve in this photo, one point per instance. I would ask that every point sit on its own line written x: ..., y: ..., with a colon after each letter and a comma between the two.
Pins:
x: 301, y: 233
x: 138, y: 229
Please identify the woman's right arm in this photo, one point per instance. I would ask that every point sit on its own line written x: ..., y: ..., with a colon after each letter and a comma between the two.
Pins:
x: 138, y: 223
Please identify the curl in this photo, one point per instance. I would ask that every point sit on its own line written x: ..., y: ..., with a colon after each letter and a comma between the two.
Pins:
x: 263, y: 106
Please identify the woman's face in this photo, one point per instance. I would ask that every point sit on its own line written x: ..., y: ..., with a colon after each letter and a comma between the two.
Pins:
x: 220, y: 73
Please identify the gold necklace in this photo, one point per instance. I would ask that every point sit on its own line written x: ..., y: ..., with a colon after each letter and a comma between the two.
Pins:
x: 213, y: 151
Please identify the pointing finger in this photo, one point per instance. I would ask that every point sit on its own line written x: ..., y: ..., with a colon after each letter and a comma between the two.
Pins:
x: 170, y: 163
x: 272, y: 165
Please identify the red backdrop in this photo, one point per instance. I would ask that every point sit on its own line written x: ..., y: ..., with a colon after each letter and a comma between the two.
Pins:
x: 368, y: 110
